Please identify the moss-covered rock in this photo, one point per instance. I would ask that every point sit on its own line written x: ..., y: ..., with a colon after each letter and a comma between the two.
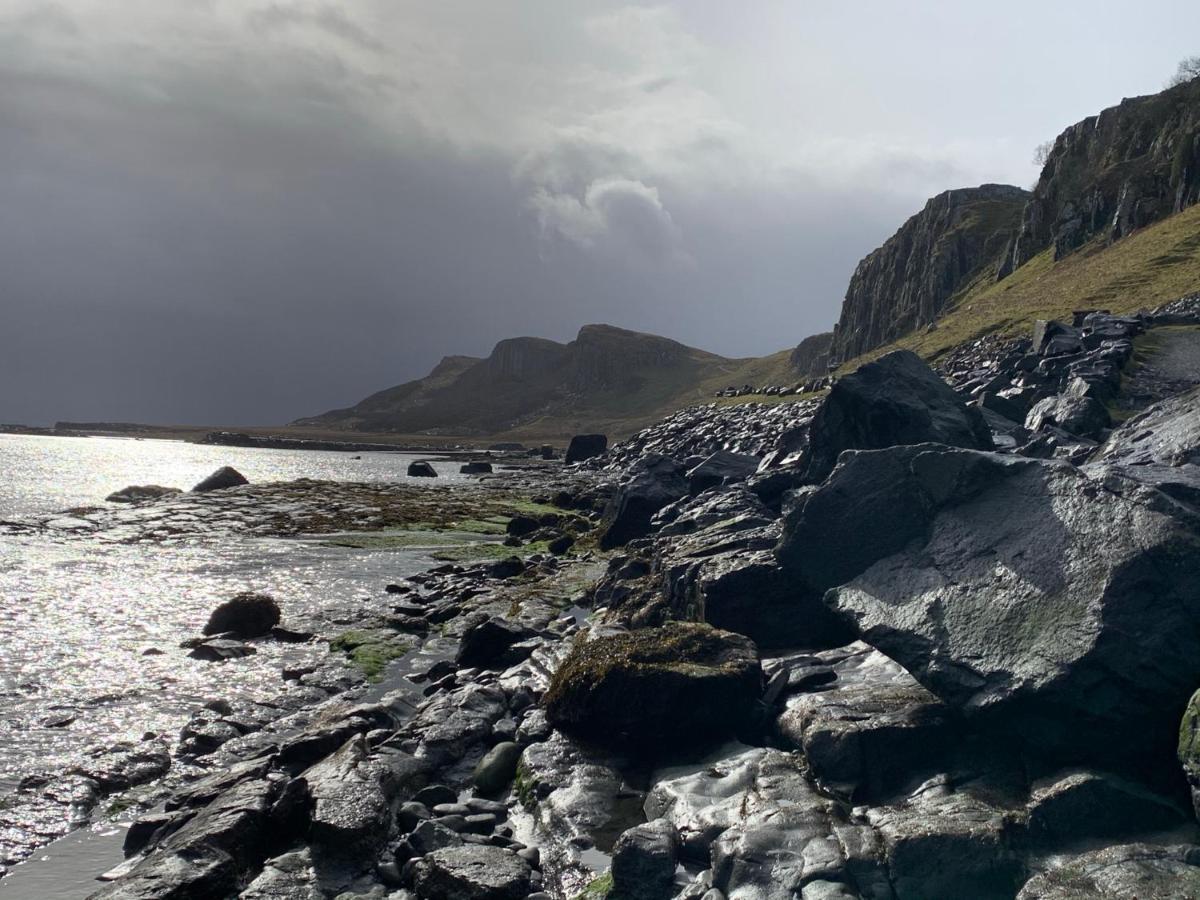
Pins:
x: 681, y: 684
x: 1189, y: 747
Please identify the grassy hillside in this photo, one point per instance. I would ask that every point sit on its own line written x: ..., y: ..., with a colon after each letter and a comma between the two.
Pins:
x: 1148, y: 268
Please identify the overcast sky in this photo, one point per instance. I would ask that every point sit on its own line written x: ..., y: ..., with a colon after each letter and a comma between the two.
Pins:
x: 245, y: 211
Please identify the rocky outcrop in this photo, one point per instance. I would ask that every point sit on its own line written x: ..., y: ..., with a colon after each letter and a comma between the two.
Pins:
x: 1110, y: 174
x: 811, y: 356
x: 907, y: 283
x: 224, y: 477
x: 585, y: 446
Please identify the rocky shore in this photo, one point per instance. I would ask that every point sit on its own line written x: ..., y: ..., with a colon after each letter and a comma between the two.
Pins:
x: 930, y: 635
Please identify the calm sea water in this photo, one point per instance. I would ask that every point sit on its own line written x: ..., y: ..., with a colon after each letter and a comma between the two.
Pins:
x: 77, y: 613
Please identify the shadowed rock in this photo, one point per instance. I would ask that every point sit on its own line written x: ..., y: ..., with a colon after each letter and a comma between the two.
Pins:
x: 248, y: 615
x: 585, y: 446
x: 225, y: 477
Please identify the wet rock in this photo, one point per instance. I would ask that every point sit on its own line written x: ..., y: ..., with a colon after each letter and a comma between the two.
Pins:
x: 657, y: 687
x: 497, y: 768
x: 585, y: 446
x: 354, y: 792
x: 1087, y: 804
x: 895, y: 400
x: 421, y: 469
x: 654, y: 481
x: 1075, y: 411
x: 865, y: 725
x: 453, y: 722
x: 472, y: 873
x: 644, y: 860
x: 139, y: 493
x: 1119, y: 873
x: 475, y: 468
x: 247, y: 615
x: 124, y: 765
x: 291, y: 876
x: 1003, y: 584
x: 220, y: 650
x: 490, y: 643
x: 224, y: 477
x: 199, y: 872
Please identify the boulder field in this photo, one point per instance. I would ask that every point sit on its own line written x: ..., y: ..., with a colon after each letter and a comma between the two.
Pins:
x: 933, y: 635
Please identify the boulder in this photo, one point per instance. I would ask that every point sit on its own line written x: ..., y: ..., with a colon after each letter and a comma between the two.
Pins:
x: 421, y: 469
x: 656, y: 688
x: 509, y: 567
x: 1075, y: 411
x: 138, y: 493
x: 472, y: 872
x: 224, y: 477
x: 895, y: 400
x: 488, y: 644
x: 585, y: 446
x: 193, y: 873
x: 1189, y: 748
x: 722, y: 467
x: 654, y: 481
x: 220, y: 649
x: 1119, y: 873
x: 496, y: 770
x: 247, y: 615
x: 644, y: 860
x: 1009, y: 587
x: 561, y: 544
x: 519, y: 526
x: 475, y: 468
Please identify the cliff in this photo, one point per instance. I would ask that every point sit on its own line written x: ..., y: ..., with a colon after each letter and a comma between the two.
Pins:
x: 1129, y: 166
x: 907, y: 283
x: 811, y: 356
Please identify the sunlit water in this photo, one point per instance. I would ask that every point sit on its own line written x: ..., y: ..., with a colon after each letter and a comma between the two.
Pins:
x: 77, y: 613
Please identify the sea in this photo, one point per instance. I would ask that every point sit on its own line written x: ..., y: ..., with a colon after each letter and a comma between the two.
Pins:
x: 90, y: 629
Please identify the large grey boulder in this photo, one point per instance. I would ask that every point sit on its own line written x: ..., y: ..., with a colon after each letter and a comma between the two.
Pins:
x: 722, y: 467
x: 644, y: 860
x: 1020, y: 591
x: 895, y: 400
x: 1075, y: 411
x: 654, y: 481
x: 585, y: 446
x: 472, y: 872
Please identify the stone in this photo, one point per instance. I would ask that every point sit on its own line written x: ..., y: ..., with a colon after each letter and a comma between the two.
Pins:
x: 196, y: 872
x: 585, y: 446
x: 421, y: 469
x: 1074, y: 805
x: 472, y: 872
x: 475, y: 468
x: 561, y: 544
x: 1074, y: 411
x: 1004, y: 584
x: 895, y: 400
x: 140, y: 493
x: 224, y: 477
x: 1188, y: 748
x: 490, y: 643
x: 654, y: 481
x: 496, y: 770
x: 1120, y: 873
x: 509, y: 567
x: 644, y: 861
x: 247, y: 615
x: 722, y: 467
x: 655, y: 688
x: 220, y: 650
x: 520, y: 526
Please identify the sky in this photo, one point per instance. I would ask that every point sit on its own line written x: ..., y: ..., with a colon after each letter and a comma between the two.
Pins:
x: 247, y: 211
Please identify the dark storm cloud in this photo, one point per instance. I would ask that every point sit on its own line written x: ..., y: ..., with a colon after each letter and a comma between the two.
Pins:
x: 245, y: 212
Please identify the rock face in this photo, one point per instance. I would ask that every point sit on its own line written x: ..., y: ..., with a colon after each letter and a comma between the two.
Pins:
x: 247, y: 615
x: 657, y: 687
x: 905, y: 284
x: 224, y: 477
x: 811, y: 356
x: 653, y: 482
x: 895, y: 400
x: 1131, y: 165
x: 1008, y: 586
x: 585, y: 446
x: 1189, y: 748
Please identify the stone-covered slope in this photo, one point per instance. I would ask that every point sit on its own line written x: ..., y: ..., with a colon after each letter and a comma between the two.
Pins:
x: 606, y: 373
x: 907, y: 283
x: 1129, y: 166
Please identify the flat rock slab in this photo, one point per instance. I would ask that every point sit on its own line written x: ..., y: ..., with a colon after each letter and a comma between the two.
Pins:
x: 472, y: 872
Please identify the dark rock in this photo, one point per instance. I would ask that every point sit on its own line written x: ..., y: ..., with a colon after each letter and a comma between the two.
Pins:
x: 895, y: 400
x: 488, y: 644
x: 654, y: 481
x: 496, y: 770
x: 421, y: 469
x: 220, y: 650
x: 1074, y: 411
x: 196, y: 872
x: 475, y: 468
x: 1086, y: 804
x: 435, y: 794
x: 644, y: 860
x: 509, y: 567
x: 473, y: 872
x: 1004, y: 585
x: 1119, y: 873
x: 139, y: 493
x: 225, y: 477
x: 585, y: 446
x: 561, y: 544
x: 1189, y: 748
x: 519, y: 526
x: 246, y: 615
x: 722, y: 467
x: 657, y: 687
